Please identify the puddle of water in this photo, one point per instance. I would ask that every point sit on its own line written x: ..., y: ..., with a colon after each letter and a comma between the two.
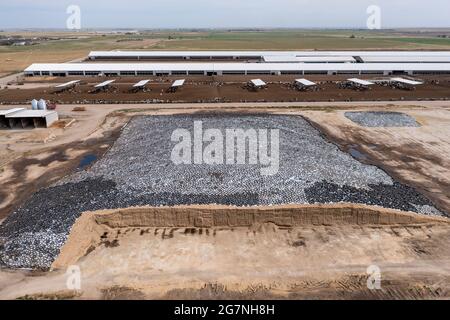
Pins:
x: 356, y: 154
x: 86, y: 161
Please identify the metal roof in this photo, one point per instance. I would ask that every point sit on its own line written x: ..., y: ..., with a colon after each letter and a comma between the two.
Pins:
x: 141, y: 83
x: 407, y: 81
x: 376, y: 53
x: 305, y: 82
x: 67, y: 84
x: 264, y: 53
x: 361, y: 82
x: 9, y: 111
x: 280, y: 58
x: 178, y: 83
x: 30, y: 114
x: 104, y: 84
x: 404, y: 59
x: 328, y: 59
x: 258, y: 82
x: 118, y: 67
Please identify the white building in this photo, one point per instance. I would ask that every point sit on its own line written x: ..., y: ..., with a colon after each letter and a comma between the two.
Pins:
x: 257, y: 63
x: 22, y: 118
x: 164, y: 69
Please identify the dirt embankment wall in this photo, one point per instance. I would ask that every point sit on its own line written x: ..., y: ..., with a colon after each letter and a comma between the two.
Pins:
x: 223, y: 216
x: 87, y: 231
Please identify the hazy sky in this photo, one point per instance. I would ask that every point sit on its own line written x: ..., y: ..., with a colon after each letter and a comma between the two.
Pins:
x: 223, y: 13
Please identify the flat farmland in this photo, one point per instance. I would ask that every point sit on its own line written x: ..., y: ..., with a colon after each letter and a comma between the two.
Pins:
x: 305, y: 40
x: 16, y: 59
x: 68, y: 46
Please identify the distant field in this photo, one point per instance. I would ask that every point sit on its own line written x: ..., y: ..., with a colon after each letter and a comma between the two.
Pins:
x: 15, y: 59
x: 297, y: 40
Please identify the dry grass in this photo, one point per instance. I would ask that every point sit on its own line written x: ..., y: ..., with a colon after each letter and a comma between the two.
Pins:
x: 61, y: 295
x: 79, y: 109
x: 15, y: 59
x: 122, y: 293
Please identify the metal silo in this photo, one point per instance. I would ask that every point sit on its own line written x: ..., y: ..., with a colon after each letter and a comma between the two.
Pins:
x: 42, y: 105
x: 34, y: 104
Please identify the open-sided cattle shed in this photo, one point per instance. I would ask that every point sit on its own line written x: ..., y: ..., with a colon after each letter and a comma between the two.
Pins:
x: 256, y: 84
x: 66, y: 86
x: 22, y: 118
x: 176, y: 85
x: 4, y: 113
x: 356, y: 83
x: 405, y: 83
x: 103, y: 86
x: 303, y: 84
x: 140, y: 85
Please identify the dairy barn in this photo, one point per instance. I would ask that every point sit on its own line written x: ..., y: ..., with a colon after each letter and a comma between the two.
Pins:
x: 210, y: 63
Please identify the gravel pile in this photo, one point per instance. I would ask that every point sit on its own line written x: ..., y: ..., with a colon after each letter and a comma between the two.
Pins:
x: 138, y: 171
x: 382, y: 119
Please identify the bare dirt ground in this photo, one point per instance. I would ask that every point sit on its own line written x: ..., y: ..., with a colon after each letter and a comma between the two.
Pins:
x: 412, y: 155
x: 300, y: 263
x: 219, y: 89
x: 30, y: 160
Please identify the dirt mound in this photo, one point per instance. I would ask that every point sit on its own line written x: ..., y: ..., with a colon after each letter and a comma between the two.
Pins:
x: 91, y: 227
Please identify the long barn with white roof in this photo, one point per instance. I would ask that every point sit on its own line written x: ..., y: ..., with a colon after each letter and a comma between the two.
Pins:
x: 160, y: 63
x: 161, y: 69
x: 188, y: 55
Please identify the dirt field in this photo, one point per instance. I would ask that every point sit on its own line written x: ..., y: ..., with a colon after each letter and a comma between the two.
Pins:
x: 171, y: 263
x: 220, y: 89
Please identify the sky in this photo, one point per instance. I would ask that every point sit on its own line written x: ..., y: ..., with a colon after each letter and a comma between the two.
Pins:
x: 160, y: 14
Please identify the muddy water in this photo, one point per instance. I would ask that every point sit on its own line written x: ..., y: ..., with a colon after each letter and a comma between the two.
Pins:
x: 86, y: 161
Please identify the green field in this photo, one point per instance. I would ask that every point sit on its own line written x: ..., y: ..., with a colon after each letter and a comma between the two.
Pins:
x: 298, y: 40
x: 13, y: 58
